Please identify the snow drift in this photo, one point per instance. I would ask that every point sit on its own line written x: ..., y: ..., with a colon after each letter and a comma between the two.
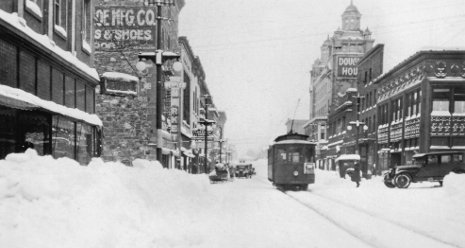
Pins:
x: 47, y: 202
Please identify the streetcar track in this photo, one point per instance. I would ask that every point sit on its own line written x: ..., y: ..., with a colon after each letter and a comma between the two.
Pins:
x: 397, y: 223
x: 331, y: 220
x: 365, y: 212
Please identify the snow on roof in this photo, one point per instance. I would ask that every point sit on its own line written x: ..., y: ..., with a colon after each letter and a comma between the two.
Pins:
x: 348, y: 157
x: 120, y: 76
x: 20, y: 24
x: 22, y: 96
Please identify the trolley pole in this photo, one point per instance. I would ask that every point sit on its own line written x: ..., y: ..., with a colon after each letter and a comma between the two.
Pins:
x: 205, y: 162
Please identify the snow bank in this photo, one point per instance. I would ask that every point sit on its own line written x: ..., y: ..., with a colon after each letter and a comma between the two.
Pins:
x: 47, y: 202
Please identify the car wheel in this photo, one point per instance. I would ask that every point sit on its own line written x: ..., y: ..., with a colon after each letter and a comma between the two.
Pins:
x: 403, y: 180
x: 389, y: 184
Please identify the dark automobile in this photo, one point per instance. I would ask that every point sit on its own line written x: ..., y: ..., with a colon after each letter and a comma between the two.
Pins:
x: 432, y: 167
x: 243, y: 170
x: 219, y: 174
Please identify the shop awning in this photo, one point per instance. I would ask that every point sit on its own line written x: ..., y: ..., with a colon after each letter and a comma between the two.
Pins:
x: 188, y: 154
x: 17, y: 98
x: 348, y: 157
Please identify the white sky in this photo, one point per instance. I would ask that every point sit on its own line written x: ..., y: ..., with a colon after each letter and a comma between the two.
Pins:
x: 257, y: 54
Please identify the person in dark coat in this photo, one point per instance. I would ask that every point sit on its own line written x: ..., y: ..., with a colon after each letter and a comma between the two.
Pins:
x: 356, y: 174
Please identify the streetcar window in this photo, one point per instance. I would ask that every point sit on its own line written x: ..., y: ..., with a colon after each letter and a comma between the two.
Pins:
x: 295, y: 157
x: 281, y: 155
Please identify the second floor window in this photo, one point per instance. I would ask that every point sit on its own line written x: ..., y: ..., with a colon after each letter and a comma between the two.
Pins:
x: 85, y: 25
x: 60, y: 16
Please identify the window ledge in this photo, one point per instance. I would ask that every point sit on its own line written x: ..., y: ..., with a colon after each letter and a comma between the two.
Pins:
x: 86, y: 47
x: 61, y: 31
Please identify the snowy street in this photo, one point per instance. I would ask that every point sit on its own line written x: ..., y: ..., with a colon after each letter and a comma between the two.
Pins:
x: 46, y: 202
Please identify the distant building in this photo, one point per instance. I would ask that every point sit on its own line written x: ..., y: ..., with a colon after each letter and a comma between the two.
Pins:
x: 47, y: 83
x: 335, y: 72
x: 359, y: 106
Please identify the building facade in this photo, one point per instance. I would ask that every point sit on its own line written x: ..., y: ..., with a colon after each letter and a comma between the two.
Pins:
x: 370, y: 67
x: 47, y: 83
x: 128, y: 100
x: 335, y: 72
x: 421, y: 106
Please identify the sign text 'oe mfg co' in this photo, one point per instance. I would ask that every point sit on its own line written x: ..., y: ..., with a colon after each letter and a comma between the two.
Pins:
x: 117, y: 26
x: 347, y: 66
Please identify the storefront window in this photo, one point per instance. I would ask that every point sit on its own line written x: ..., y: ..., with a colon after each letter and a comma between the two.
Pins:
x: 36, y: 129
x: 63, y: 137
x: 84, y: 143
x: 7, y: 131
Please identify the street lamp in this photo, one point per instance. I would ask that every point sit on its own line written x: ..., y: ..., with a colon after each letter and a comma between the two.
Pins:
x: 357, y: 124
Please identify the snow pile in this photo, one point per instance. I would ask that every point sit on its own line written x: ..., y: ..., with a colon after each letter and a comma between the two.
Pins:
x: 46, y: 202
x: 455, y: 184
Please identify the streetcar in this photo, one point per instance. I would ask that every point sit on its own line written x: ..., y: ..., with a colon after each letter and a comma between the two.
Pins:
x: 291, y: 162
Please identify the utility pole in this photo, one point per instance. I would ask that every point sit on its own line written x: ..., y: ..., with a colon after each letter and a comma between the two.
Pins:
x: 207, y: 123
x: 160, y: 102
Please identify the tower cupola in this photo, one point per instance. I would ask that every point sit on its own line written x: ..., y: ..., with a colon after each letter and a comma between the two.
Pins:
x: 351, y: 18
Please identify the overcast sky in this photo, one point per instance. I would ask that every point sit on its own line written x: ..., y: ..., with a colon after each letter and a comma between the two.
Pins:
x: 257, y: 54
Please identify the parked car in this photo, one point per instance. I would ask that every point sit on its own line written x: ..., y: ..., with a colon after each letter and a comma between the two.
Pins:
x: 243, y: 170
x: 432, y: 167
x: 219, y: 174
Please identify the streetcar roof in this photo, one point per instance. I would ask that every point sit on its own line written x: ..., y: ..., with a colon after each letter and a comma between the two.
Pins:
x: 294, y: 141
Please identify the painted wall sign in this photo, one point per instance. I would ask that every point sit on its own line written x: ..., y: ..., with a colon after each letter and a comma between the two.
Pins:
x: 347, y: 66
x: 119, y: 26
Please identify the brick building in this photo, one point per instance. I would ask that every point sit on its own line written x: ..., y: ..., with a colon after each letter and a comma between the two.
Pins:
x: 123, y: 29
x: 421, y: 106
x: 370, y: 67
x: 47, y: 83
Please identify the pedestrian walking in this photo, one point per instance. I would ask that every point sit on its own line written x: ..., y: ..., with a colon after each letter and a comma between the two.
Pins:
x: 356, y: 174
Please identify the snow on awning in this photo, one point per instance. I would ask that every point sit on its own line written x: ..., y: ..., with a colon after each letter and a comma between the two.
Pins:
x: 188, y: 154
x: 348, y: 157
x: 20, y: 99
x: 120, y: 76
